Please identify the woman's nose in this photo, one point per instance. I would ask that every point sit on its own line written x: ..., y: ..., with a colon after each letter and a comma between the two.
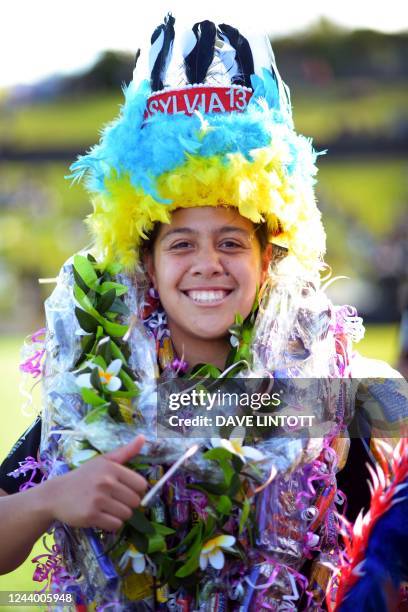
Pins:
x: 208, y: 263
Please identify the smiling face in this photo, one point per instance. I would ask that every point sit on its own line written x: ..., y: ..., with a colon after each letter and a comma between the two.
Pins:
x: 206, y: 265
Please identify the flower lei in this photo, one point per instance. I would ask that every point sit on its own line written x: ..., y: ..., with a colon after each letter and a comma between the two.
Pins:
x: 199, y: 540
x: 223, y: 519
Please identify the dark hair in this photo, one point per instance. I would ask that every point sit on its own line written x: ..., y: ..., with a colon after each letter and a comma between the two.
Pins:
x: 148, y: 243
x: 262, y: 233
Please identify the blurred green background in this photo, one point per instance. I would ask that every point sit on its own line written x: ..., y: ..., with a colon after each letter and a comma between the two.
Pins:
x: 348, y: 91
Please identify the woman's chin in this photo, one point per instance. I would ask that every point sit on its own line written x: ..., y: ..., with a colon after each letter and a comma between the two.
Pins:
x: 210, y: 335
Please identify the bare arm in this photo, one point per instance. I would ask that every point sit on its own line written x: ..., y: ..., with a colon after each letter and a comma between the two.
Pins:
x: 101, y: 493
x: 24, y: 517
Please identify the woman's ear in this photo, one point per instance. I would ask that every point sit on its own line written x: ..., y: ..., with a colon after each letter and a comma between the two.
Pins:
x: 266, y: 258
x: 149, y: 267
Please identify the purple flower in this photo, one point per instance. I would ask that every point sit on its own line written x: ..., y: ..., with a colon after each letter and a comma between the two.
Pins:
x: 179, y: 365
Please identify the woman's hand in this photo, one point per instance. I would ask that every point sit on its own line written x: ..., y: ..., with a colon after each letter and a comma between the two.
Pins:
x: 102, y: 493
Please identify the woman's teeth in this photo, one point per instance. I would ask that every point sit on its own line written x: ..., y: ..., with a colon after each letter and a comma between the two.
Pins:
x: 207, y: 296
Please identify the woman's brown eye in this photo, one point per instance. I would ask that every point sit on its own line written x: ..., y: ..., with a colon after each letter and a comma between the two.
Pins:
x: 230, y: 244
x: 181, y: 245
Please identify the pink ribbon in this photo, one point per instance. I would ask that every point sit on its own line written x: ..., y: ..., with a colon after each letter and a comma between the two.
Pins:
x: 51, y: 569
x: 25, y: 466
x: 32, y: 364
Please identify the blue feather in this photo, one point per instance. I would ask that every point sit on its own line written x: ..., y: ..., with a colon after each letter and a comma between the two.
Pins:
x: 149, y: 147
x: 271, y: 89
x: 258, y: 87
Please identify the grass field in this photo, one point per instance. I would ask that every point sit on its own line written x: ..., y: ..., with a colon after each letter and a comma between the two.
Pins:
x: 380, y: 342
x: 328, y: 111
x: 40, y: 206
x: 66, y: 122
x: 374, y: 192
x: 322, y: 114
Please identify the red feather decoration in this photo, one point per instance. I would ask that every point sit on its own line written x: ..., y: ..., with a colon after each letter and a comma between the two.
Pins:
x: 386, y: 483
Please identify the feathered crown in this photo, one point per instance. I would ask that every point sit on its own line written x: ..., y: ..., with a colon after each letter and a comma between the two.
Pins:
x: 206, y: 122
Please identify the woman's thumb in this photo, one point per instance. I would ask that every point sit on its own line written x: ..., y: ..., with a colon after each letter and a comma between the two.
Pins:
x: 125, y: 453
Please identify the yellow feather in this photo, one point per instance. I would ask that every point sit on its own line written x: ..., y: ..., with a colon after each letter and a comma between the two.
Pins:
x: 259, y: 188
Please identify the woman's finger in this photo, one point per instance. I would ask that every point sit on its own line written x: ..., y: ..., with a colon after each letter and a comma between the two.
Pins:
x: 131, y: 479
x: 116, y: 509
x: 107, y: 522
x: 125, y: 495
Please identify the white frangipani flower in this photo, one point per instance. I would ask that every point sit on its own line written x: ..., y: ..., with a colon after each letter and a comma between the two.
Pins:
x: 234, y: 445
x: 135, y: 557
x: 107, y: 377
x: 212, y: 551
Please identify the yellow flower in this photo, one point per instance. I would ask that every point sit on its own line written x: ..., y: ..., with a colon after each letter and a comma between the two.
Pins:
x: 137, y: 559
x: 107, y: 377
x: 234, y: 445
x: 212, y: 551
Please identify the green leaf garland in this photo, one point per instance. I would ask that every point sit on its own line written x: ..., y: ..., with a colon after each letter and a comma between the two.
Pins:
x: 99, y: 311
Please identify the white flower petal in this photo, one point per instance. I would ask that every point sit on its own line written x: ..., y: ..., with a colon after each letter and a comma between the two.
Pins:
x: 114, y: 367
x: 216, y: 442
x: 226, y: 541
x: 203, y: 561
x: 252, y: 453
x: 229, y: 447
x: 90, y: 364
x: 238, y: 434
x: 84, y: 380
x: 138, y: 564
x: 114, y: 384
x: 216, y: 558
x: 124, y: 560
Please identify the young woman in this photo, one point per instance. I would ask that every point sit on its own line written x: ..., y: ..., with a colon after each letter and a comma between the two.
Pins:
x: 207, y: 261
x: 207, y: 264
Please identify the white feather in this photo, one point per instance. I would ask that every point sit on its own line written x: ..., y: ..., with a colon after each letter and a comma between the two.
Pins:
x: 397, y: 452
x: 358, y: 525
x: 227, y: 55
x: 374, y: 476
x: 385, y: 448
x: 381, y: 476
x: 155, y: 49
x: 188, y: 43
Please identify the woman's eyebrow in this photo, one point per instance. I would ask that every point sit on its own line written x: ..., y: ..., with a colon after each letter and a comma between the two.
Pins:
x: 233, y: 228
x: 225, y: 229
x: 178, y: 230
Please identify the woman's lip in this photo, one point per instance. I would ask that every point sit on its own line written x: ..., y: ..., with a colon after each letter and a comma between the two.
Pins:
x: 208, y: 289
